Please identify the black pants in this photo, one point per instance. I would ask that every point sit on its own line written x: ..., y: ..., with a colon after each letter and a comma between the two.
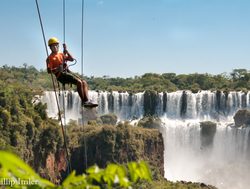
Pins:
x: 67, y: 78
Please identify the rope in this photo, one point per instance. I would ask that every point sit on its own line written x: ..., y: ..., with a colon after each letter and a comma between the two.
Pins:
x: 82, y: 61
x: 41, y: 24
x: 63, y: 85
x: 53, y: 82
x: 64, y: 22
x: 82, y: 39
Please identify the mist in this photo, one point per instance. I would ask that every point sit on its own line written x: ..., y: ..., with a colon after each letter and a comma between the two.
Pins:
x: 223, y: 162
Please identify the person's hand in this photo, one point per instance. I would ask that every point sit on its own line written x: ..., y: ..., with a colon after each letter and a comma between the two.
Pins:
x: 65, y: 51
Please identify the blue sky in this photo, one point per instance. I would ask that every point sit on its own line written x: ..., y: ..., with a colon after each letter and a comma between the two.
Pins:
x: 125, y: 38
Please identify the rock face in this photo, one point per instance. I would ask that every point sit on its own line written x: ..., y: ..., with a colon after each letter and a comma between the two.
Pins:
x: 208, y: 130
x: 55, y: 166
x: 150, y: 122
x: 109, y: 119
x: 89, y: 114
x: 183, y: 104
x: 104, y: 144
x: 150, y: 103
x: 119, y: 144
x: 242, y: 118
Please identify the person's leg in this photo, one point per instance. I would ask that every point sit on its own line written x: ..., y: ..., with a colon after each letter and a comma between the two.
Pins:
x: 85, y: 90
x: 82, y: 90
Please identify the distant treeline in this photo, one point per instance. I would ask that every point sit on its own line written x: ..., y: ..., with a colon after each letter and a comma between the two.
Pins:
x: 238, y: 79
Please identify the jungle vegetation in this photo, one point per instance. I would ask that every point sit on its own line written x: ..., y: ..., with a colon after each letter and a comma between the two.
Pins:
x: 238, y: 79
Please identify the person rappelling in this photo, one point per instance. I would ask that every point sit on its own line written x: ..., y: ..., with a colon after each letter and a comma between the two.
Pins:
x: 57, y: 64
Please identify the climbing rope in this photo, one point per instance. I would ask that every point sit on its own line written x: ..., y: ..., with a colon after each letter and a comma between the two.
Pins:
x: 41, y: 24
x: 82, y: 62
x: 82, y: 39
x: 64, y: 22
x: 53, y: 82
x: 63, y: 85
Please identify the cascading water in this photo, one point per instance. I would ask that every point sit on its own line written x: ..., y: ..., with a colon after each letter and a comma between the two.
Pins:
x: 223, y: 163
x: 126, y: 106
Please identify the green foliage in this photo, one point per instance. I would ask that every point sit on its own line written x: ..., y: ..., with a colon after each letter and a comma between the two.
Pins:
x: 27, y: 75
x: 50, y: 140
x: 20, y: 175
x: 139, y: 171
x: 5, y: 117
x: 238, y: 79
x: 15, y: 170
x: 41, y: 110
x: 41, y: 80
x: 22, y: 123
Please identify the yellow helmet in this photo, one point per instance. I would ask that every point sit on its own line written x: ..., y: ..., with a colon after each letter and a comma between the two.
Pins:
x: 52, y: 41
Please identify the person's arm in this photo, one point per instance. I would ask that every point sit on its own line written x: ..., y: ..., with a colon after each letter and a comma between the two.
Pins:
x: 69, y: 57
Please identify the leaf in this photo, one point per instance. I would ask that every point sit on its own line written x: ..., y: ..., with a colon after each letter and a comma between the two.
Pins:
x: 93, y: 169
x: 132, y: 166
x: 111, y: 169
x: 69, y: 178
x: 95, y: 176
x: 145, y: 171
x: 15, y: 168
x: 124, y: 182
x: 139, y: 171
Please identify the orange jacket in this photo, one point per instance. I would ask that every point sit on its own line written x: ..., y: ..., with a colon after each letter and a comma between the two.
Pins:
x: 55, y: 63
x: 55, y: 60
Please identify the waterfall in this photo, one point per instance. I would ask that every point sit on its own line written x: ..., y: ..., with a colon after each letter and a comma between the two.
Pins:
x: 223, y: 163
x: 126, y: 106
x: 71, y: 100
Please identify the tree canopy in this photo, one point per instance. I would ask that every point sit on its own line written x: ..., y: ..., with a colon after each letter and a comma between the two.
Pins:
x: 238, y: 79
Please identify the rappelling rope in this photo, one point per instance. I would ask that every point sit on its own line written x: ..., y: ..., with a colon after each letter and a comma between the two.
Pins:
x: 64, y: 22
x: 64, y: 109
x: 82, y: 39
x: 53, y: 82
x: 82, y: 63
x: 64, y: 90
